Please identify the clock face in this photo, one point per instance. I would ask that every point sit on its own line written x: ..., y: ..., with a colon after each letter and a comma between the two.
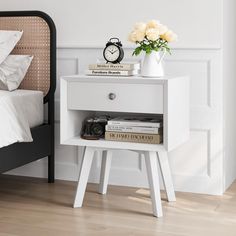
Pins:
x: 111, y: 53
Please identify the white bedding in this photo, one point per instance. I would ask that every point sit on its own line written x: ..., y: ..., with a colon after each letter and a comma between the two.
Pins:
x: 20, y: 110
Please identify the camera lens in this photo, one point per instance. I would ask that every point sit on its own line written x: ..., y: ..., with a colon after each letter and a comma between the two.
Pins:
x: 97, y: 129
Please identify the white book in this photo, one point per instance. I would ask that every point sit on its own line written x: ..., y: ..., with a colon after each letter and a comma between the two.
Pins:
x: 133, y: 129
x: 138, y: 122
x: 112, y: 72
x: 110, y: 66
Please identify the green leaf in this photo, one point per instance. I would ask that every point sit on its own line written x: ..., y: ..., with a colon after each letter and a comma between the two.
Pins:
x: 137, y: 51
x: 148, y: 46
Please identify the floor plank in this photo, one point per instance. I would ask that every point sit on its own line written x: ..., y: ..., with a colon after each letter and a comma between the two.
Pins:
x: 30, y: 206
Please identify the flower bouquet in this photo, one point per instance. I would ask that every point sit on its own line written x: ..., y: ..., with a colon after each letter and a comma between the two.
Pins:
x: 152, y: 38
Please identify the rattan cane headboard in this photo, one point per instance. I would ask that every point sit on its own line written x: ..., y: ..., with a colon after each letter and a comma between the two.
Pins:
x: 39, y: 40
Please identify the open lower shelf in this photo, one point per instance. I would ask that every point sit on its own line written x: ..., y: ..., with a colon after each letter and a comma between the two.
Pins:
x: 101, y: 143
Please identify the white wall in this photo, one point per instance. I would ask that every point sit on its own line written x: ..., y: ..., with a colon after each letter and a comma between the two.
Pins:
x: 83, y: 29
x: 92, y: 22
x: 229, y: 78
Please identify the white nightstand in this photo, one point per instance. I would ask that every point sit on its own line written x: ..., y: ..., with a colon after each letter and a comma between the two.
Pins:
x: 82, y: 96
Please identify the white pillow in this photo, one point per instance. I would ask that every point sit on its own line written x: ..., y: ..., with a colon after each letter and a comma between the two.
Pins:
x: 13, y: 71
x: 8, y: 40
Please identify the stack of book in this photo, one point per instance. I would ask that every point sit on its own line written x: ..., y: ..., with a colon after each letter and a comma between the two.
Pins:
x: 109, y: 69
x: 141, y: 130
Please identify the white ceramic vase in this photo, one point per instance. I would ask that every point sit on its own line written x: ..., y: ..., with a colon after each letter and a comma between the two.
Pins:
x: 152, y: 65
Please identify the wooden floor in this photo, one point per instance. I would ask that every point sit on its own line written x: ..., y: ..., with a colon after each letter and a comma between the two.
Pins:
x: 32, y: 207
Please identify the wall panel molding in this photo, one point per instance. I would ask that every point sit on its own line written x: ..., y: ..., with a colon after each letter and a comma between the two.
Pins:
x: 194, y: 164
x: 101, y: 46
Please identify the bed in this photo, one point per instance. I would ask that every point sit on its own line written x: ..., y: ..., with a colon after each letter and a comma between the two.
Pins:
x: 39, y: 40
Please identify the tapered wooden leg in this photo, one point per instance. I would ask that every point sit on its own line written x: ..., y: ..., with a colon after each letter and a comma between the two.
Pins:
x: 83, y: 176
x: 166, y: 175
x: 154, y: 185
x: 105, y: 171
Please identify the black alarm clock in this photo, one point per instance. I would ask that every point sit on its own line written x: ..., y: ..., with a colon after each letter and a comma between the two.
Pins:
x: 113, y: 52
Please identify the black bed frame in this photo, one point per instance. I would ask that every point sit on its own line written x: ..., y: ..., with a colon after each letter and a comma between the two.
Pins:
x: 19, y: 154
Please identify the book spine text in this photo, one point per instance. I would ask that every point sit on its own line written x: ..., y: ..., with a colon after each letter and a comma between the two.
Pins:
x: 111, y: 72
x: 137, y: 124
x: 113, y: 66
x: 133, y: 129
x: 133, y: 137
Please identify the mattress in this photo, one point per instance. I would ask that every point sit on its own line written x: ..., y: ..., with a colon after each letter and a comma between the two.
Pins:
x: 20, y: 110
x: 32, y: 104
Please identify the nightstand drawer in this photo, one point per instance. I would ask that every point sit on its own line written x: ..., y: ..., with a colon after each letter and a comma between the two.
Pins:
x: 140, y: 98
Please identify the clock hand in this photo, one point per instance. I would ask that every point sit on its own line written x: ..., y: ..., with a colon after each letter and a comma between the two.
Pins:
x: 114, y: 51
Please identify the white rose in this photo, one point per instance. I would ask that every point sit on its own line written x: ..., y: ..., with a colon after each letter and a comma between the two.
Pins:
x: 152, y: 34
x: 169, y: 36
x: 136, y: 36
x: 162, y: 28
x: 140, y: 26
x: 152, y: 24
x: 132, y: 37
x: 140, y: 35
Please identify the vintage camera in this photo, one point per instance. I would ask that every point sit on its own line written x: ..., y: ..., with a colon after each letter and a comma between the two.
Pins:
x: 94, y: 127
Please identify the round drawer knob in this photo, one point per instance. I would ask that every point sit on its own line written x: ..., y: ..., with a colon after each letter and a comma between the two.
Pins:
x: 112, y: 96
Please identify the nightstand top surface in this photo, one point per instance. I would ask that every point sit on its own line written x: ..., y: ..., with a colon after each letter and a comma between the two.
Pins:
x: 119, y: 79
